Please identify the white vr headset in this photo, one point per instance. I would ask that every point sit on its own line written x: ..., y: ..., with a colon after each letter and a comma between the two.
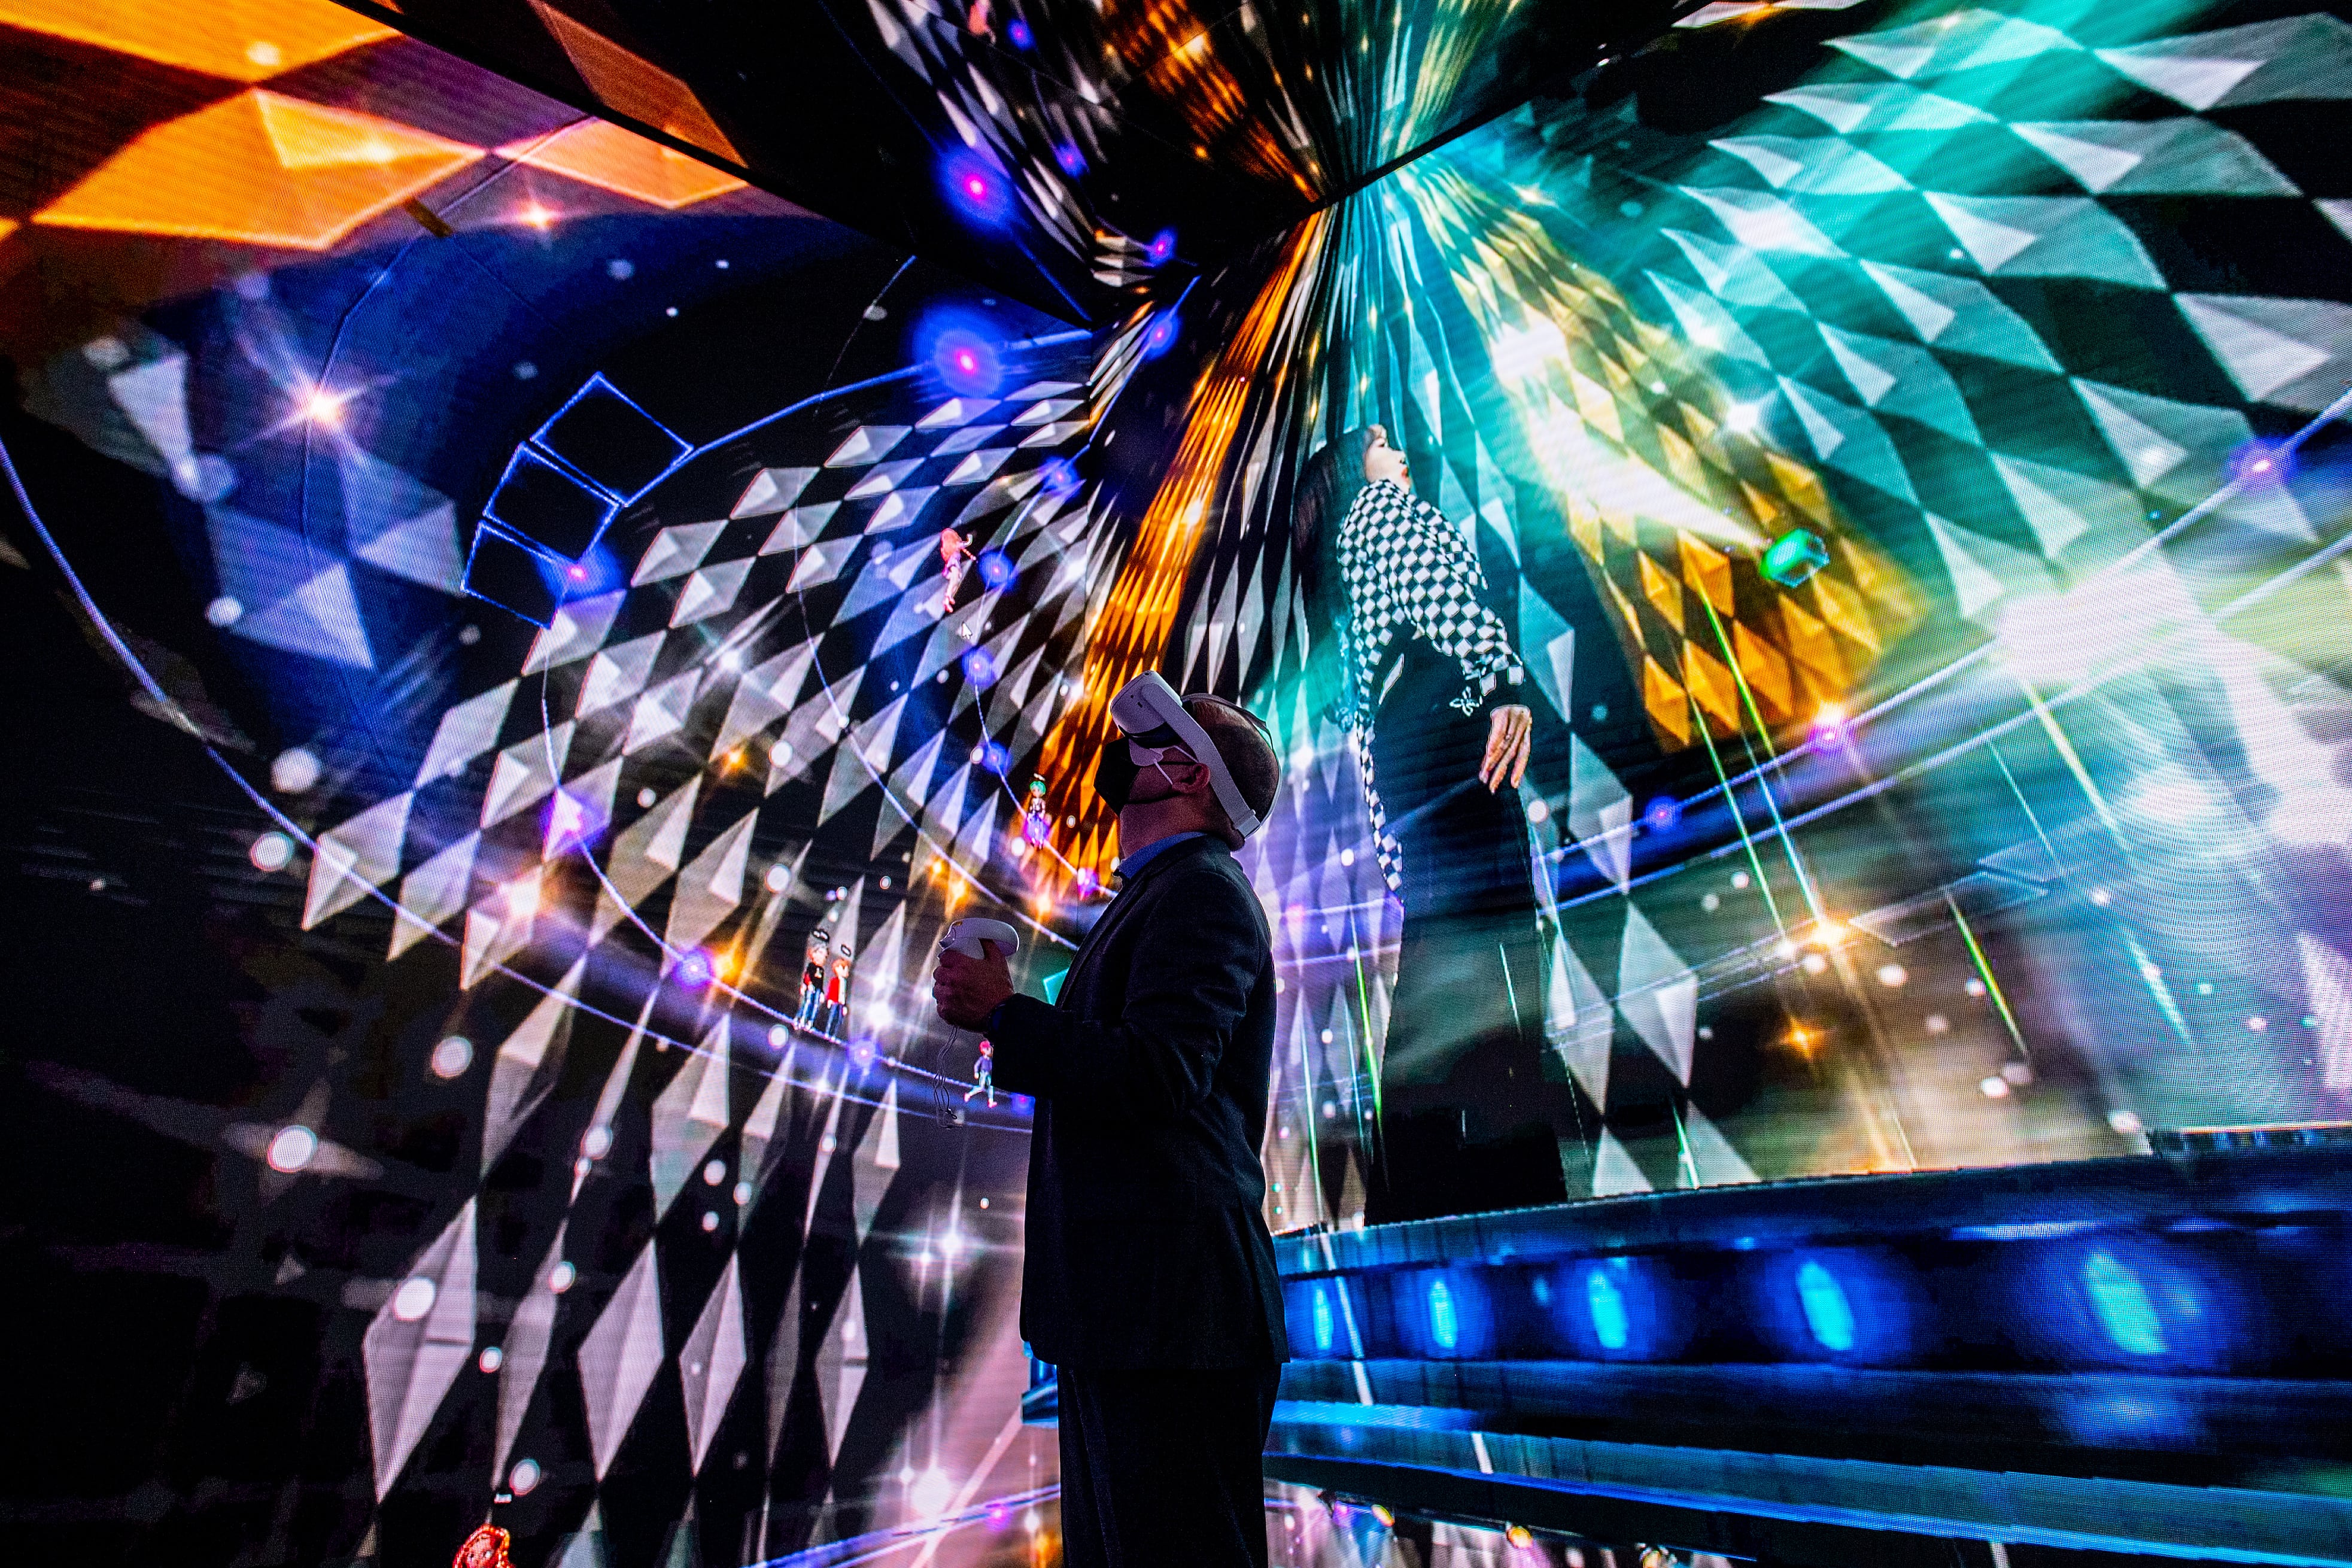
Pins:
x: 1149, y: 713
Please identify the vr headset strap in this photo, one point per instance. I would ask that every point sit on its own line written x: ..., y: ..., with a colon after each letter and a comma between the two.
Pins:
x: 1153, y: 693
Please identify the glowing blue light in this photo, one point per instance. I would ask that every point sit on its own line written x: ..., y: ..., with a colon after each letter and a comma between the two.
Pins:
x: 1160, y: 336
x: 967, y: 362
x: 1607, y: 1305
x: 1443, y: 1326
x: 571, y: 823
x: 995, y: 568
x: 1662, y: 814
x: 976, y: 187
x: 2120, y: 1302
x: 980, y: 668
x: 862, y: 1051
x: 596, y: 570
x: 1162, y: 247
x: 1073, y: 161
x: 2258, y: 464
x: 1018, y: 31
x: 1061, y: 477
x: 1827, y: 1313
x: 995, y: 758
x: 1322, y: 1320
x: 696, y: 969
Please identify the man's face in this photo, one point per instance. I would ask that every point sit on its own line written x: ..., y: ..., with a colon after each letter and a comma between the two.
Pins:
x: 1153, y: 779
x: 1140, y: 772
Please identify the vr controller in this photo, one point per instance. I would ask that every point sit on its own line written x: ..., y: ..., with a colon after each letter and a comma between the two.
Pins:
x: 966, y: 935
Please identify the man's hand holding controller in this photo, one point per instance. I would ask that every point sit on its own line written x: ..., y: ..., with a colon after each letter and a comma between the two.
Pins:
x: 972, y: 976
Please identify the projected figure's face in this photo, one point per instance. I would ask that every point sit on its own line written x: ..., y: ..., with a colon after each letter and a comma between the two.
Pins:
x: 1383, y: 461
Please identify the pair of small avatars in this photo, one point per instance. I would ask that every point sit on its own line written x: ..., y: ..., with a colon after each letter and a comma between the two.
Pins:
x: 824, y: 984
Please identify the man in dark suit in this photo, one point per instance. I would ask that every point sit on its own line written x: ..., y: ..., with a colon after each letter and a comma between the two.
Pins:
x: 1150, y: 1279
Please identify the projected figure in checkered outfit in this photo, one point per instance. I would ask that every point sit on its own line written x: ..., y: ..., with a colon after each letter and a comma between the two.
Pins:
x: 1426, y: 682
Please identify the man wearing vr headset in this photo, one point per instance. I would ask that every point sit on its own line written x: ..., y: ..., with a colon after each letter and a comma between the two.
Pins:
x: 1150, y: 1279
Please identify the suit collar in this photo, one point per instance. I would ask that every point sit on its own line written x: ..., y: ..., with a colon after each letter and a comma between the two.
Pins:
x: 1172, y: 855
x: 1119, y: 906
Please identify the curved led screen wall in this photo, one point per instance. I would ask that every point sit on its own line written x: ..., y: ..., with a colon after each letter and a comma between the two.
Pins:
x: 1891, y: 454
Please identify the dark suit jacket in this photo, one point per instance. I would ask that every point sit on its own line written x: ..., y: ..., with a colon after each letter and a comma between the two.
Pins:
x: 1146, y: 1243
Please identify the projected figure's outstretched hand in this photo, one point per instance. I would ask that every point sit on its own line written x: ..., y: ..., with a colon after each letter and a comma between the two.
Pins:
x: 967, y: 989
x: 1509, y: 734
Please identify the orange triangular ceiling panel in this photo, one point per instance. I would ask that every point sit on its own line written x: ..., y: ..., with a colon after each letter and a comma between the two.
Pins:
x: 614, y: 158
x: 245, y: 40
x: 260, y: 169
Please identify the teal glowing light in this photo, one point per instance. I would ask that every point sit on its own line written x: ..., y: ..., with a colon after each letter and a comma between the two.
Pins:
x: 1827, y: 1311
x: 1607, y: 1305
x: 1795, y: 556
x: 1443, y: 1326
x: 2120, y: 1302
x: 1322, y: 1319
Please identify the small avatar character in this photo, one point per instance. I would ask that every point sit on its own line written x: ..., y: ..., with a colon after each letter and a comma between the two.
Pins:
x: 836, y: 991
x: 486, y: 1547
x: 955, y: 553
x: 812, y: 981
x: 1036, y: 822
x: 984, y: 1075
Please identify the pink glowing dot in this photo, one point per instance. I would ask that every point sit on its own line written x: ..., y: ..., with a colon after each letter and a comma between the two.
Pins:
x: 964, y: 361
x: 976, y: 186
x: 580, y: 574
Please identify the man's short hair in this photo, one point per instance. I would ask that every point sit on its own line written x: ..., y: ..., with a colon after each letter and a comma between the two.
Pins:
x: 1247, y: 750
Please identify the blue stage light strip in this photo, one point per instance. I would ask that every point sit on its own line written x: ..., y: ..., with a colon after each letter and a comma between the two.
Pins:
x: 2093, y: 1355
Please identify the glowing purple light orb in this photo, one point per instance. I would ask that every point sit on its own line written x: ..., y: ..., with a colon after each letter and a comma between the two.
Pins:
x: 967, y: 362
x: 696, y: 969
x: 1162, y: 248
x: 862, y: 1051
x: 1159, y: 337
x: 976, y: 186
x: 980, y: 668
x: 1831, y: 729
x: 1018, y: 31
x: 570, y: 823
x: 1073, y: 161
x: 2260, y: 464
x: 1662, y: 814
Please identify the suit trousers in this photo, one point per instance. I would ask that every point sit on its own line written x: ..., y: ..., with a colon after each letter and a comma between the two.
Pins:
x: 1165, y: 1468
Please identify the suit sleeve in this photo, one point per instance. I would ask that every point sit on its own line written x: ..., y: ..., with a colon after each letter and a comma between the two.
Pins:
x: 1195, y: 962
